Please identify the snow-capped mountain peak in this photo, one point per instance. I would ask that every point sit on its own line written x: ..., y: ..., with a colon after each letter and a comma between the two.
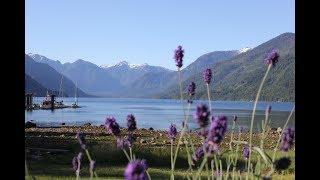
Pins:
x: 124, y: 63
x: 244, y: 50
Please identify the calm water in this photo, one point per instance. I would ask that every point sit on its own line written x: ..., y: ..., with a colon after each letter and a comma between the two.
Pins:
x: 156, y: 113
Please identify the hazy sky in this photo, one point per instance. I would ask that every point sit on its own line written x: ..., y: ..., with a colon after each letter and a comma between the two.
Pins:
x: 144, y: 31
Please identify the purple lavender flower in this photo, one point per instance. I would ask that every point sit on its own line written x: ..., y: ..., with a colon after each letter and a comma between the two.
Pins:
x: 92, y: 165
x: 112, y: 126
x: 81, y: 139
x: 178, y: 56
x: 218, y: 173
x: 121, y: 143
x: 202, y: 115
x: 218, y: 129
x: 131, y: 122
x: 130, y: 140
x: 211, y: 148
x: 235, y: 118
x: 76, y: 162
x: 191, y: 88
x: 272, y: 57
x: 207, y: 75
x: 172, y: 132
x: 136, y: 170
x: 198, y: 154
x: 246, y: 152
x: 287, y: 139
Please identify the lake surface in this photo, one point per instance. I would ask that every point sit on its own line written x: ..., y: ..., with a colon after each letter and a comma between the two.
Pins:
x: 155, y: 113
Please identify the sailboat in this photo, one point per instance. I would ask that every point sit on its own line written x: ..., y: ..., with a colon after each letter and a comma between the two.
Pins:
x: 75, y: 104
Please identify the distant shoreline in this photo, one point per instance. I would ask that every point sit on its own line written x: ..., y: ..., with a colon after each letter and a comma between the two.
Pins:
x: 245, y: 101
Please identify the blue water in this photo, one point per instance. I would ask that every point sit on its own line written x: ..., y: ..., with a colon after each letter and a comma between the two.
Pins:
x: 155, y: 113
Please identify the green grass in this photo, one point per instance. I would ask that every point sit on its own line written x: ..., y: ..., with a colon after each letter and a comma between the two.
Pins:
x: 111, y: 161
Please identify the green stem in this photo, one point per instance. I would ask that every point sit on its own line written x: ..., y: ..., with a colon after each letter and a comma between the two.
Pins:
x: 201, y: 165
x: 130, y: 149
x: 171, y: 158
x: 181, y: 96
x: 209, y: 99
x: 125, y: 152
x: 185, y: 121
x: 212, y: 169
x: 207, y: 169
x: 285, y: 125
x: 231, y: 138
x: 149, y: 177
x: 89, y: 158
x: 252, y: 119
x: 26, y: 169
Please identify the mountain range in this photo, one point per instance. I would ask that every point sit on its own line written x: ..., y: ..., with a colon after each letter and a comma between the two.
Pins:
x: 40, y: 77
x: 239, y: 77
x: 236, y: 75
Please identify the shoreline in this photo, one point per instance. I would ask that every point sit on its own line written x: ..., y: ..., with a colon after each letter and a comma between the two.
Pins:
x: 143, y: 136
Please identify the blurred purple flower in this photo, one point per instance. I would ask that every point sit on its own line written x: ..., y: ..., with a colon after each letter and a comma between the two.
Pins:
x: 212, y: 148
x: 172, y: 132
x: 131, y: 122
x: 136, y: 170
x: 202, y: 115
x: 207, y: 75
x: 178, y: 56
x: 218, y: 129
x: 198, y: 154
x: 81, y: 139
x: 191, y: 88
x: 287, y: 139
x: 130, y: 140
x: 272, y: 57
x: 112, y: 126
x: 121, y: 143
x: 218, y: 173
x: 76, y: 162
x: 246, y: 152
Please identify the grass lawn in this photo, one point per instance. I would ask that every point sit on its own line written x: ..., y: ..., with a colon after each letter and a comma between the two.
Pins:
x: 46, y: 163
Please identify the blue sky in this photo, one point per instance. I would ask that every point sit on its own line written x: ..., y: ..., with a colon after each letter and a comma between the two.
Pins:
x: 144, y: 31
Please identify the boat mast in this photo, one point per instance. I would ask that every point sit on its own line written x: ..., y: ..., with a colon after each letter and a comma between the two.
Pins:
x: 61, y: 90
x: 75, y: 94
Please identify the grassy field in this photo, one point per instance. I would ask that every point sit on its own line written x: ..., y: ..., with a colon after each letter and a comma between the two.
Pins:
x: 50, y: 152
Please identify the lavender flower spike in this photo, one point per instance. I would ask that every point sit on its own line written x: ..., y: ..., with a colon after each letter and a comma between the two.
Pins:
x: 112, y: 126
x: 202, y: 115
x: 198, y: 154
x: 172, y: 132
x: 287, y: 139
x: 246, y: 152
x: 131, y: 122
x: 272, y: 57
x: 191, y: 88
x: 136, y: 170
x: 218, y: 129
x: 178, y: 56
x: 81, y: 139
x: 76, y: 162
x: 207, y: 75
